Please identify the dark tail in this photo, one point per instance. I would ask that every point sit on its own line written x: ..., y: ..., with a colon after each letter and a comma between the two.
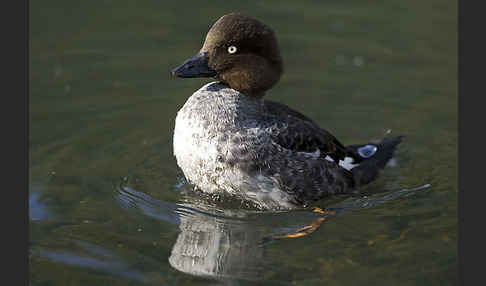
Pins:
x: 372, y: 158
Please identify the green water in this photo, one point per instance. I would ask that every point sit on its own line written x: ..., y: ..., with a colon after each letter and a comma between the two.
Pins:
x: 108, y: 205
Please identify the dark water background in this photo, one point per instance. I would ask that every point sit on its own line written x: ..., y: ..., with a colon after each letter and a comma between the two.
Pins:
x: 108, y: 205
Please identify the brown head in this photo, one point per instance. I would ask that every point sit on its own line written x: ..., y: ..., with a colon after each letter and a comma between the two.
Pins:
x: 241, y: 52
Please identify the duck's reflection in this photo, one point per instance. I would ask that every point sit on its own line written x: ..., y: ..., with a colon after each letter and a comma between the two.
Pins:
x: 218, y: 247
x: 218, y: 243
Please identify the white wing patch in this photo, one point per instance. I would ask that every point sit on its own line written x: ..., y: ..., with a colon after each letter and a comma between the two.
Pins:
x: 347, y: 163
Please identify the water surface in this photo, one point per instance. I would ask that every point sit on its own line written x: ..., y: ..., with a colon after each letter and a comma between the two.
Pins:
x: 108, y: 204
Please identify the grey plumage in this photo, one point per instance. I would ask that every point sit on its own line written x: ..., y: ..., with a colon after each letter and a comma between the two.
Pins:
x: 256, y: 149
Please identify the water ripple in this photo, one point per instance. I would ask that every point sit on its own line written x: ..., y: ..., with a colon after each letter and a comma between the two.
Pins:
x: 229, y: 243
x: 37, y: 209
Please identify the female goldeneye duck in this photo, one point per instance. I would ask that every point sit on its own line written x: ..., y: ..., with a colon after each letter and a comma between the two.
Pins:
x: 227, y: 138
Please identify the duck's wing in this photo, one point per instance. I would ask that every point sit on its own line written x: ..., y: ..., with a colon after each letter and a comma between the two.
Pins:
x: 299, y: 133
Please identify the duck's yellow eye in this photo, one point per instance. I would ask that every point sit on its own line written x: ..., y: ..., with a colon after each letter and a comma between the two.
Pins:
x: 232, y: 49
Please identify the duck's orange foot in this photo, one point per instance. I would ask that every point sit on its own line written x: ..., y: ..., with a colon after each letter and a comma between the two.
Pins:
x: 308, y: 229
x: 321, y: 211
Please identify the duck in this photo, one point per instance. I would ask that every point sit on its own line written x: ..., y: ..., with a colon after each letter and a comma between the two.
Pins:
x: 229, y: 140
